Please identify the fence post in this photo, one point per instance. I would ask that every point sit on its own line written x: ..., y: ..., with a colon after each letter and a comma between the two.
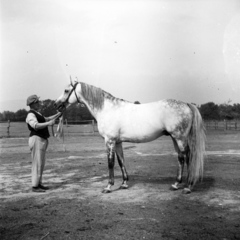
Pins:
x: 8, y: 128
x: 93, y: 127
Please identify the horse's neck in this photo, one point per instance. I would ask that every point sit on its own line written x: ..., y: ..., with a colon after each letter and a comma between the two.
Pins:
x: 92, y: 110
x: 108, y: 104
x: 97, y: 100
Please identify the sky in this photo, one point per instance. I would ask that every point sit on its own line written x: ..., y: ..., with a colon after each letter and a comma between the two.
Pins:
x: 137, y: 50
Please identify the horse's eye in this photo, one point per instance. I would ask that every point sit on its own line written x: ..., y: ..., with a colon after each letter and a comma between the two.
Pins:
x: 66, y: 91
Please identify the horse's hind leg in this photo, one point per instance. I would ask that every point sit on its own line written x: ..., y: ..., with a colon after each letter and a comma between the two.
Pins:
x: 181, y: 161
x: 120, y: 157
x: 188, y: 189
x: 111, y: 161
x: 183, y: 155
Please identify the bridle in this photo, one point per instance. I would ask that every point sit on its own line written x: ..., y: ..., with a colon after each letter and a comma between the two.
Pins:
x: 73, y: 90
x: 63, y: 104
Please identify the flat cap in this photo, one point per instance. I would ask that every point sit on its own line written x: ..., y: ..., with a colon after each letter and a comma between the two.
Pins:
x: 32, y: 99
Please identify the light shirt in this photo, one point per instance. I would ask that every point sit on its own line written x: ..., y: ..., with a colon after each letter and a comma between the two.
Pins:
x: 32, y: 120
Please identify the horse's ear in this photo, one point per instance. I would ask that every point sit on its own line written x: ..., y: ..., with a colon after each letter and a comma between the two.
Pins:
x: 71, y: 80
x: 76, y: 79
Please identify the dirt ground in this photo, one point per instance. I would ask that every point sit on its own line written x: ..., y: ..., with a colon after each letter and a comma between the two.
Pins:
x: 76, y: 208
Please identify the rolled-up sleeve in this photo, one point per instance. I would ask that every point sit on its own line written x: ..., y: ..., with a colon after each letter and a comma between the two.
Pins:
x: 32, y: 120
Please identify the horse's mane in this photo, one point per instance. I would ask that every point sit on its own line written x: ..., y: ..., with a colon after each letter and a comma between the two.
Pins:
x: 96, y: 96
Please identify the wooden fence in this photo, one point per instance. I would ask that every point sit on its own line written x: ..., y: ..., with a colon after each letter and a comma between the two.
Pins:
x: 72, y: 128
x: 5, y: 129
x: 222, y: 125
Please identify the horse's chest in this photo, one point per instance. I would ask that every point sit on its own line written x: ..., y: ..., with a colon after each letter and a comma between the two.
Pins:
x: 108, y: 127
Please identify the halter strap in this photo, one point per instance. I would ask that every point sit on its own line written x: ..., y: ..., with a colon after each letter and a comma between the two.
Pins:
x: 73, y: 89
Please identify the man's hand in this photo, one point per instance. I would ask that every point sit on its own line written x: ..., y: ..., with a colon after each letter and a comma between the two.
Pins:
x: 59, y: 114
x: 51, y: 122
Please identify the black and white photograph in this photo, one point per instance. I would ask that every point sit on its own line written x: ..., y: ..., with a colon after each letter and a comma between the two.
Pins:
x: 119, y: 119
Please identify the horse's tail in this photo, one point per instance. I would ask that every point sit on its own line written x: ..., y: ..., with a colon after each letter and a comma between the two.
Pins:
x: 196, y: 143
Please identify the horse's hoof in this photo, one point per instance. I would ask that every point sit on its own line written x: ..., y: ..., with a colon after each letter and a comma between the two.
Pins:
x: 174, y: 187
x: 106, y: 190
x: 124, y: 186
x: 186, y: 191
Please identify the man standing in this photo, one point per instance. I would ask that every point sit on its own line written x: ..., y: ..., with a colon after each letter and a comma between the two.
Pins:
x: 38, y: 140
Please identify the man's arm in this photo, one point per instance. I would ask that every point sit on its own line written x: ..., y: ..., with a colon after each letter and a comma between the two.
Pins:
x: 33, y: 122
x: 44, y: 125
x: 59, y: 114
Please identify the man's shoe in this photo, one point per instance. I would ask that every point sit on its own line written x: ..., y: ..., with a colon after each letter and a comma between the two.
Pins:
x: 37, y: 189
x: 43, y: 187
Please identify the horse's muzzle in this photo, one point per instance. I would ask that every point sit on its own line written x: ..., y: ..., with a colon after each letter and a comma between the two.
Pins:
x: 60, y: 107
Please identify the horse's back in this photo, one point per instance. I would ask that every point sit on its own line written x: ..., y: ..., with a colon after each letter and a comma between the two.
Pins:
x: 164, y: 112
x: 146, y: 122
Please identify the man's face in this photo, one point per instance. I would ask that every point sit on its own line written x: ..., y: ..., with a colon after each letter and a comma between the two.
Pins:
x: 36, y: 105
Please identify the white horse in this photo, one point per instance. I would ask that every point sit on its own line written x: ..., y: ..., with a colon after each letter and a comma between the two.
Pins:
x: 121, y: 121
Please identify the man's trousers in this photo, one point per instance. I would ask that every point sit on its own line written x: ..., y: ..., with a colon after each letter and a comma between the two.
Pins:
x: 38, y: 147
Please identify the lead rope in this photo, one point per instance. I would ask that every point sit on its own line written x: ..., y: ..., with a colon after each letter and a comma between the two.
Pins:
x: 60, y: 132
x: 53, y: 134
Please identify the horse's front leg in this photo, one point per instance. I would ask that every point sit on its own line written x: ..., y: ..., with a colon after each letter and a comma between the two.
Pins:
x: 120, y: 157
x: 111, y: 161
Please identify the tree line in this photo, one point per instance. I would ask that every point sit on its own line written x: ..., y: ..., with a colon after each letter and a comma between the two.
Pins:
x: 225, y: 111
x: 76, y: 112
x: 79, y: 112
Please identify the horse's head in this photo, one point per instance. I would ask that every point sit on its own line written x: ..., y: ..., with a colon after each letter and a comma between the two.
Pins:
x: 69, y: 96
